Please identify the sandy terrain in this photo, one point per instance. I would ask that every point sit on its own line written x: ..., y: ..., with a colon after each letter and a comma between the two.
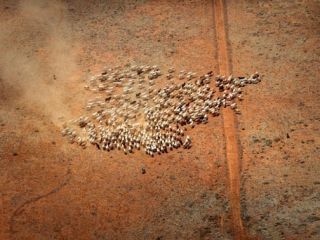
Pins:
x: 279, y: 125
x: 50, y: 189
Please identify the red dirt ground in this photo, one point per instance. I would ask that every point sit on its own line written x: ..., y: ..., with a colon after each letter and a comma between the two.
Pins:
x: 53, y: 190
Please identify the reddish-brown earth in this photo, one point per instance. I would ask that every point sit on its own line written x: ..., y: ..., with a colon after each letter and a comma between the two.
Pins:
x: 263, y: 183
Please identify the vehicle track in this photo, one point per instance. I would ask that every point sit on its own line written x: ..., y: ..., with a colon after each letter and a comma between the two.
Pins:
x: 229, y: 123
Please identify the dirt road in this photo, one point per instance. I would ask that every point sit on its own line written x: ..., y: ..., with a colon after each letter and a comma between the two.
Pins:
x: 229, y: 123
x: 254, y: 175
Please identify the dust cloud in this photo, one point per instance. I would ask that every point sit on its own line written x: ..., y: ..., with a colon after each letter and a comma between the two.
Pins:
x: 38, y: 55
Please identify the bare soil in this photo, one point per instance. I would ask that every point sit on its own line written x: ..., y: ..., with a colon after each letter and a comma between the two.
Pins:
x: 50, y: 189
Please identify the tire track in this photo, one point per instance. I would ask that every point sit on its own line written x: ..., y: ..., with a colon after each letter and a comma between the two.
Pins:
x: 229, y: 122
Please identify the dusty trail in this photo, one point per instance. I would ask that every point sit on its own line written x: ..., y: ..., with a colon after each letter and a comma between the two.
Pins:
x: 229, y: 123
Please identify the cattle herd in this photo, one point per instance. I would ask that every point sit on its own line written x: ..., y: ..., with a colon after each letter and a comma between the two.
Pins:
x: 143, y: 108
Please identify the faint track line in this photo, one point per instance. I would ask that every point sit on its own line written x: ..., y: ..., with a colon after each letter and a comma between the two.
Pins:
x: 32, y: 200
